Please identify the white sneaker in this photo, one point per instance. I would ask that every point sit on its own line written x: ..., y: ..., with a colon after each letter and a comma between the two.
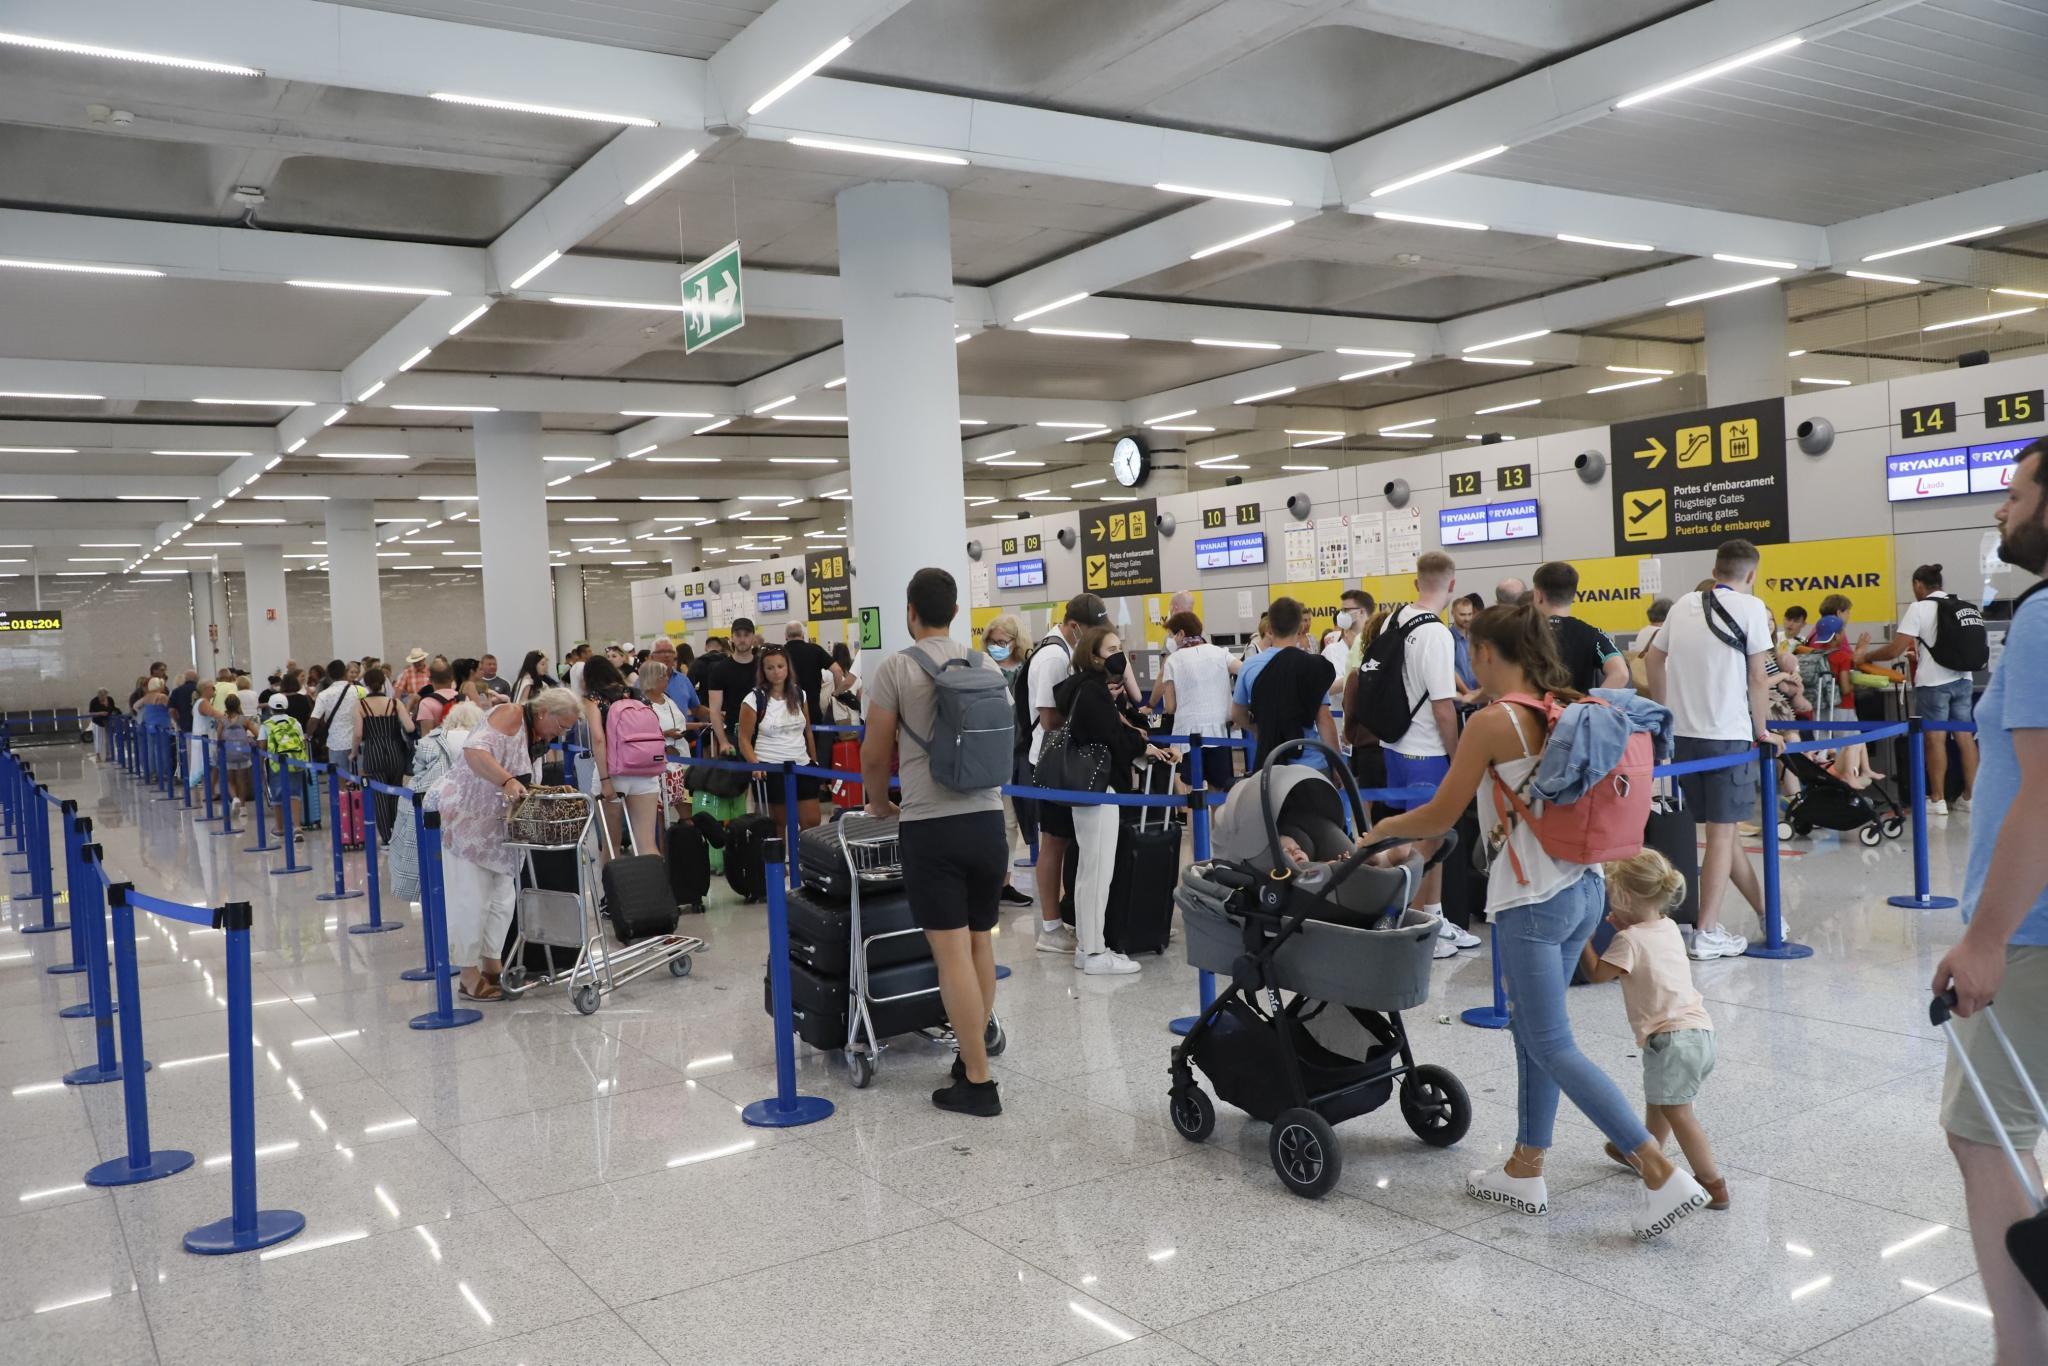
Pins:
x: 1463, y: 939
x: 1658, y: 1212
x: 1056, y: 937
x: 1444, y: 948
x: 1105, y: 964
x: 1938, y: 808
x: 1961, y: 806
x: 1715, y: 943
x: 1521, y: 1194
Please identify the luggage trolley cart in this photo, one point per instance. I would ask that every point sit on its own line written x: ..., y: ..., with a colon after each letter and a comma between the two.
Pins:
x: 554, y: 920
x: 876, y: 860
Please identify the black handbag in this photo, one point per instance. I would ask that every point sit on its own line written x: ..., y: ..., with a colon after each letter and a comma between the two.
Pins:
x: 1068, y: 767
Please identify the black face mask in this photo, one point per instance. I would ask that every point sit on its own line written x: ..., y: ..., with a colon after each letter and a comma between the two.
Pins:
x: 1115, y: 665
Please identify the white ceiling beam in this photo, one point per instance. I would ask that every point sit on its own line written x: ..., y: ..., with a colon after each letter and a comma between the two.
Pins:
x: 169, y: 383
x: 109, y: 438
x: 782, y: 40
x: 545, y: 394
x: 344, y: 45
x: 2007, y: 204
x: 1587, y: 86
x: 1153, y: 320
x: 1602, y: 302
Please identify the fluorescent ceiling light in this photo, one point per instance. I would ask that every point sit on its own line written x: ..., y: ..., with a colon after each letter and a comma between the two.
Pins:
x: 353, y: 287
x: 644, y: 305
x: 31, y: 497
x: 1429, y: 222
x: 1707, y: 73
x: 1086, y: 426
x: 661, y: 177
x: 1221, y: 460
x: 1404, y: 426
x: 146, y: 498
x: 593, y: 521
x: 72, y: 269
x: 1460, y: 164
x: 797, y: 77
x: 1376, y: 370
x: 122, y: 54
x: 551, y: 110
x: 1270, y: 393
x: 469, y: 318
x: 1081, y: 332
x: 250, y: 521
x: 1311, y: 431
x: 1937, y: 242
x: 1764, y: 261
x: 1506, y: 407
x: 1793, y: 354
x: 258, y: 402
x: 1170, y: 417
x: 1013, y: 464
x: 1374, y: 351
x: 536, y: 268
x: 712, y: 427
x: 991, y: 459
x: 1177, y: 427
x: 337, y: 415
x: 1831, y: 383
x: 1638, y: 370
x: 1090, y: 436
x: 683, y: 460
x: 1509, y: 341
x: 558, y: 482
x: 1252, y: 236
x: 868, y: 149
x: 1244, y: 345
x: 961, y: 338
x: 374, y: 390
x: 38, y: 450
x: 804, y: 459
x: 415, y: 359
x: 442, y: 408
x: 657, y: 412
x: 225, y: 455
x: 24, y: 393
x: 1625, y: 384
x: 835, y: 383
x: 1318, y: 441
x: 2021, y: 293
x: 1682, y: 300
x: 1406, y: 436
x: 1980, y: 318
x: 1047, y: 308
x: 1088, y: 483
x: 1880, y: 277
x: 288, y: 497
x: 1238, y: 196
x: 772, y: 406
x: 671, y: 498
x: 366, y: 455
x: 1304, y: 469
x: 1578, y: 240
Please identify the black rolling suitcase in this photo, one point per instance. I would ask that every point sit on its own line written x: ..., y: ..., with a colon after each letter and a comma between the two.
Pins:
x: 637, y: 898
x: 745, y: 838
x: 821, y: 931
x: 819, y: 1002
x: 689, y: 867
x: 1465, y: 887
x: 1139, y: 916
x: 1672, y: 832
x: 822, y: 864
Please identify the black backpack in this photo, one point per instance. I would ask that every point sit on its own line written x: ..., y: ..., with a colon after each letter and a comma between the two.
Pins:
x: 1960, y: 642
x: 1382, y: 695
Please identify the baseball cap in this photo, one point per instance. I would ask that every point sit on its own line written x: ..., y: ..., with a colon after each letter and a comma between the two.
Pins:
x: 743, y: 624
x: 1087, y: 609
x: 279, y: 702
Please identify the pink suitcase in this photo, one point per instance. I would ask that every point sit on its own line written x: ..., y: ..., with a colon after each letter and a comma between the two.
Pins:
x: 351, y: 817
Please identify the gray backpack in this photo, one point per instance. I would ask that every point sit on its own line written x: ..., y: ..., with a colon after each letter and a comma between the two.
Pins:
x: 971, y: 744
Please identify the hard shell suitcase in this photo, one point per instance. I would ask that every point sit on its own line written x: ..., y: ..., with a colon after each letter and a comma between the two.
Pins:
x: 636, y: 894
x: 1672, y: 832
x: 2026, y: 1242
x: 821, y: 930
x: 846, y: 794
x: 1465, y: 886
x: 818, y: 1002
x: 351, y: 817
x: 1139, y: 916
x: 689, y: 866
x: 744, y: 839
x: 822, y: 864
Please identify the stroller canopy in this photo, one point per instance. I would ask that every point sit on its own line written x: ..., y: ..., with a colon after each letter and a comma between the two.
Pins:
x: 1306, y: 807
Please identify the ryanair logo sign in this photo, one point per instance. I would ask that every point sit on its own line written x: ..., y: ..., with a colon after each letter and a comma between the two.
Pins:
x: 1801, y: 573
x: 1824, y: 583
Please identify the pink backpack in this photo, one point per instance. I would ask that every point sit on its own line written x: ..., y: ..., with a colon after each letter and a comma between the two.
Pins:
x: 634, y: 746
x: 1606, y: 823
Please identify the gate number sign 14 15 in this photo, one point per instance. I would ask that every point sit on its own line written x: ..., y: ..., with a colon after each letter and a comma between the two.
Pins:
x: 1932, y: 419
x: 2011, y: 410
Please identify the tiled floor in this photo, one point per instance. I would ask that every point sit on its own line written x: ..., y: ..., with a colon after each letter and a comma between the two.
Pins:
x: 544, y: 1187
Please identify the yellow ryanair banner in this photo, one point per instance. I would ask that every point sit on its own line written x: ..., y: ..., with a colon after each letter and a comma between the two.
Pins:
x: 675, y: 629
x: 1158, y: 607
x: 1610, y: 593
x: 1318, y: 598
x: 980, y: 617
x: 1803, y: 572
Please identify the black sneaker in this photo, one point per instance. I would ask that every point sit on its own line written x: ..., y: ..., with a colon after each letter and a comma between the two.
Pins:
x: 1012, y: 897
x: 965, y: 1097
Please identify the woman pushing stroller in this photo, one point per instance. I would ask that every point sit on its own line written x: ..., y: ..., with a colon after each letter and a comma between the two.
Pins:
x: 1543, y: 912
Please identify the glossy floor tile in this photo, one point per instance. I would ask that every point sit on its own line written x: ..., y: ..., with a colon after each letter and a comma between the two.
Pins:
x: 546, y: 1187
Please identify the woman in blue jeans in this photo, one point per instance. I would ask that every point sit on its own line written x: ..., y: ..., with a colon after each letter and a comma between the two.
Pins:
x: 1543, y: 911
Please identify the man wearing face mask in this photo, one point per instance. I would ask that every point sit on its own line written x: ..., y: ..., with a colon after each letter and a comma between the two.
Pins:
x: 1345, y: 654
x: 1194, y: 686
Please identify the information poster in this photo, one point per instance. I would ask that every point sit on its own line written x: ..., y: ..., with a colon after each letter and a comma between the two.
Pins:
x: 978, y: 592
x: 828, y: 586
x: 1693, y: 480
x: 1299, y: 544
x: 1120, y: 549
x: 1404, y: 539
x: 1368, y: 542
x: 1333, y: 547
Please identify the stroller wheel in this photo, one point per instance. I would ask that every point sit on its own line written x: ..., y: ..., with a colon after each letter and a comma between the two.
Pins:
x: 1893, y: 827
x: 863, y: 1069
x: 1435, y: 1105
x: 1305, y: 1152
x: 1194, y: 1118
x: 1872, y: 835
x: 1784, y: 830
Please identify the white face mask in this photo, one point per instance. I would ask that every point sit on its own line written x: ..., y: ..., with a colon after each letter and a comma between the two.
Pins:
x: 1345, y: 621
x: 1172, y: 643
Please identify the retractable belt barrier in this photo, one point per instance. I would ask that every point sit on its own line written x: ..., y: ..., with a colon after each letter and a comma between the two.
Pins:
x: 1922, y: 897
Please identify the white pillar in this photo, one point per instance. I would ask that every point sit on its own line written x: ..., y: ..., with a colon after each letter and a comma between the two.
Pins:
x: 909, y: 508
x: 512, y: 527
x: 206, y: 625
x: 569, y: 624
x: 270, y: 635
x: 1746, y: 346
x: 224, y: 653
x: 355, y: 605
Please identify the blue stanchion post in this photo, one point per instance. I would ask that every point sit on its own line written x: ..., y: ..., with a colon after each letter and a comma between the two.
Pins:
x: 208, y: 769
x: 341, y: 891
x: 77, y: 834
x: 247, y: 1226
x: 435, y: 962
x: 1923, y: 898
x: 1494, y: 1015
x: 259, y: 790
x: 227, y: 794
x: 288, y: 836
x: 42, y: 877
x: 434, y: 912
x: 1198, y: 818
x: 1775, y: 944
x: 141, y: 1163
x: 792, y: 823
x: 786, y: 1109
x: 89, y: 907
x: 373, y: 884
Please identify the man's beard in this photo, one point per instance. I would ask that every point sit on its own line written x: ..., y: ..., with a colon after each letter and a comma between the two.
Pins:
x: 2025, y: 546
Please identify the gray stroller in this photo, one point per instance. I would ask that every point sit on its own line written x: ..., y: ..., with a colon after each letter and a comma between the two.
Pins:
x: 1292, y: 942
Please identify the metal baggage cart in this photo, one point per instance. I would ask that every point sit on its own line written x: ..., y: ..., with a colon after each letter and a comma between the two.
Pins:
x: 872, y: 861
x: 554, y: 920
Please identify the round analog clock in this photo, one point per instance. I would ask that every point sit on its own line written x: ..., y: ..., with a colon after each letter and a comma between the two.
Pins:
x: 1130, y: 462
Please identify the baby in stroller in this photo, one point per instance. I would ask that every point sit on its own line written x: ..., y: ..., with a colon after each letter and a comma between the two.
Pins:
x: 1298, y: 916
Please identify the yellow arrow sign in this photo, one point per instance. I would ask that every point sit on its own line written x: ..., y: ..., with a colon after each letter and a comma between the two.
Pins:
x: 1654, y: 453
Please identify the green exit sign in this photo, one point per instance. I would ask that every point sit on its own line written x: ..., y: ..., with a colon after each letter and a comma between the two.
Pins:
x: 712, y: 306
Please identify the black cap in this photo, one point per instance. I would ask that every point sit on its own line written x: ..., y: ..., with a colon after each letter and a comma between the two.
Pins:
x: 1087, y: 609
x: 742, y: 623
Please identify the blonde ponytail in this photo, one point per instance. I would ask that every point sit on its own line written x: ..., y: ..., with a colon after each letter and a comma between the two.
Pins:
x: 1647, y: 884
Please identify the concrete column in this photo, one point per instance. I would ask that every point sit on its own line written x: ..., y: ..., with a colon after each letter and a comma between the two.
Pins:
x: 512, y: 527
x: 355, y: 605
x: 270, y: 634
x: 224, y: 652
x: 909, y: 508
x: 569, y: 625
x: 206, y: 625
x: 1746, y: 346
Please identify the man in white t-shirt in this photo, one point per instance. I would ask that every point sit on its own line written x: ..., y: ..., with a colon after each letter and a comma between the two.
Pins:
x: 1050, y: 664
x: 1353, y: 611
x: 1421, y: 755
x: 336, y: 705
x: 1707, y: 665
x: 1939, y: 692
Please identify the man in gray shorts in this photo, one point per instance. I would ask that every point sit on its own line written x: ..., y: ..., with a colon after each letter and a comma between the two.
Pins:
x: 2004, y: 952
x: 1707, y: 665
x: 1939, y: 692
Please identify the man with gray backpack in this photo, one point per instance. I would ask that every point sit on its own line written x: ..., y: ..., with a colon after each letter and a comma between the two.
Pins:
x: 956, y: 715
